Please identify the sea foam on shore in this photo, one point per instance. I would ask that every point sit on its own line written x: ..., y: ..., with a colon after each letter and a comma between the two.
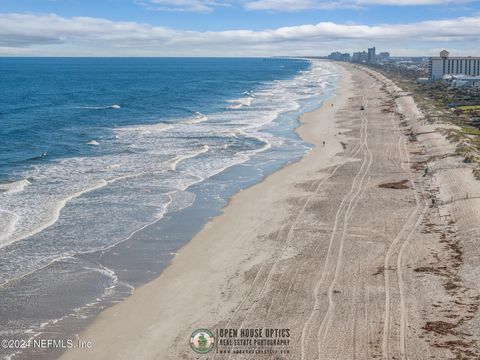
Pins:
x: 77, y: 207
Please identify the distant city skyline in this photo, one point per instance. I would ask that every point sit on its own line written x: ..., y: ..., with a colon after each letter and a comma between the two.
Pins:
x: 237, y: 28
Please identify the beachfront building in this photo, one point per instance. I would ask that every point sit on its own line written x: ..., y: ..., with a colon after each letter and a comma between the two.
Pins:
x: 372, y: 57
x: 383, y: 57
x: 338, y: 56
x: 463, y: 81
x: 360, y: 57
x: 443, y: 65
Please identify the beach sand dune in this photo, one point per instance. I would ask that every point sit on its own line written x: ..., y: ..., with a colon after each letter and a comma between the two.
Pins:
x: 356, y: 249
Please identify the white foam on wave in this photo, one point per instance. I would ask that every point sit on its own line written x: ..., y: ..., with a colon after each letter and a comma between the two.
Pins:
x: 143, y: 129
x: 114, y: 106
x: 54, y: 214
x: 266, y: 144
x: 157, y: 149
x: 55, y: 208
x: 78, y: 312
x: 107, y: 272
x: 183, y: 157
x: 198, y: 118
x: 14, y: 186
x: 8, y: 221
x: 239, y: 103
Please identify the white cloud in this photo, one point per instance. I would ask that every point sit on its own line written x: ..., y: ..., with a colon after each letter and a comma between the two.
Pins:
x: 51, y: 34
x: 282, y: 5
x: 182, y: 5
x: 292, y: 5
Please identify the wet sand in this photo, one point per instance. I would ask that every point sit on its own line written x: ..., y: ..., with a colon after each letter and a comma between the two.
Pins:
x: 356, y: 249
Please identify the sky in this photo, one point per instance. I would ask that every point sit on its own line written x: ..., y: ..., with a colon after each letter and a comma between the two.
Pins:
x: 237, y: 27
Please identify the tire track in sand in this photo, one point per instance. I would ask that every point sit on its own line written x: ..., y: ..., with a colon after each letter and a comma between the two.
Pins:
x: 341, y: 208
x: 329, y: 315
x: 415, y: 217
x: 268, y: 281
x: 291, y: 225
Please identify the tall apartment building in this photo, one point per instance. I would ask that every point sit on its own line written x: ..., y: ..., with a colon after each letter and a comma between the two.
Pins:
x: 384, y: 57
x: 338, y: 56
x: 372, y: 57
x: 359, y: 57
x: 446, y: 65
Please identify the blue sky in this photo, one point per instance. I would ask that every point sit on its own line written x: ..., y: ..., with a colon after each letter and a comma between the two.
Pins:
x: 256, y: 27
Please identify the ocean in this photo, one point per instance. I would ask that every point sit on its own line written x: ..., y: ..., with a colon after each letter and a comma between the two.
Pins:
x: 109, y: 165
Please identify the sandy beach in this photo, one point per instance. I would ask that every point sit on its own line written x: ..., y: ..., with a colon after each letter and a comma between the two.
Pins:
x: 364, y: 249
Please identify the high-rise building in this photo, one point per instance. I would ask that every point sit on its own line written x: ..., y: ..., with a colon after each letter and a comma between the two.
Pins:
x: 360, y: 57
x: 446, y: 65
x: 384, y: 57
x: 372, y: 58
x: 338, y: 56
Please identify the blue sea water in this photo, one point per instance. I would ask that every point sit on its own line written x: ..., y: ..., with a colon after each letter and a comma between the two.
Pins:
x: 96, y: 151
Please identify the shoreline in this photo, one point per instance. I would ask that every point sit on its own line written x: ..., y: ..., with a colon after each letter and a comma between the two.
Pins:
x: 356, y: 249
x: 147, y: 258
x: 306, y: 125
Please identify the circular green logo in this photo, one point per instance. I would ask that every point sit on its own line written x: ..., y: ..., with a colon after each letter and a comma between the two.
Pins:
x: 202, y: 341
